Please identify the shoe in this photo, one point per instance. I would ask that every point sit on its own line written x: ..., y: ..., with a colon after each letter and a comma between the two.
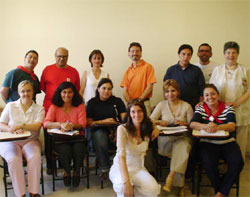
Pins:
x: 182, y: 192
x: 76, y: 181
x: 104, y: 174
x: 168, y: 185
x: 67, y: 181
x: 34, y: 195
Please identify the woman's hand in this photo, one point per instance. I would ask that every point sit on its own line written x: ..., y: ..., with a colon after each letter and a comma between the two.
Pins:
x: 66, y: 126
x: 164, y: 123
x: 109, y: 121
x: 199, y: 104
x: 211, y: 127
x: 155, y: 133
x: 16, y: 129
x: 179, y: 122
x: 128, y: 189
x: 232, y: 104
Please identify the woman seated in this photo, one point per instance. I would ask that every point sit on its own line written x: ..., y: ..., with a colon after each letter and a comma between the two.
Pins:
x: 102, y: 111
x: 67, y: 113
x: 17, y: 117
x: 128, y: 174
x: 213, y: 116
x: 174, y: 111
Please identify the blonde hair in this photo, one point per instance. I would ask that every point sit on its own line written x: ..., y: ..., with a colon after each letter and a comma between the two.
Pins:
x: 168, y: 83
x: 23, y: 83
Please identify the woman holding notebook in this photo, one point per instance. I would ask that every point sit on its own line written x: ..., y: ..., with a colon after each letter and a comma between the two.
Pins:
x: 212, y: 116
x: 67, y: 113
x: 174, y: 111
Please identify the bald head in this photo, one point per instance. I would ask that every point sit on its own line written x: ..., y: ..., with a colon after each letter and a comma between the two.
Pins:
x: 61, y: 56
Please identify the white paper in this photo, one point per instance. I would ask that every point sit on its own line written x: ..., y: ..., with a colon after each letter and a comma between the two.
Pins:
x: 217, y: 133
x: 171, y: 128
x: 57, y: 131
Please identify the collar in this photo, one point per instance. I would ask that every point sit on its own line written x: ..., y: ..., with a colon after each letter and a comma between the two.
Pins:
x: 179, y: 66
x: 31, y: 73
x: 18, y: 105
x: 142, y: 63
x: 213, y: 118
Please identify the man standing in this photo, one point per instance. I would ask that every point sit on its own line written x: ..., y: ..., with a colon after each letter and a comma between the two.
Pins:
x: 9, y: 90
x: 204, y: 53
x: 52, y: 76
x: 188, y: 76
x: 139, y: 78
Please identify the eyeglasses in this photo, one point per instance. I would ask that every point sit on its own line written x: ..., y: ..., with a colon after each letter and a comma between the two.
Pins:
x: 62, y: 56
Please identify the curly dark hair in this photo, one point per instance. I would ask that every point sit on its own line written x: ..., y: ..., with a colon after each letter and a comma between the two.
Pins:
x: 57, y: 99
x: 146, y: 124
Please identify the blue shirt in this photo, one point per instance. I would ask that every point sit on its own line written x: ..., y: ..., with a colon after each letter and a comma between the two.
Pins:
x: 190, y: 80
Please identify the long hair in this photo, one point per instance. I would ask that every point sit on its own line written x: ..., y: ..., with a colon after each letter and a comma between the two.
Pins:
x: 57, y: 99
x: 146, y: 124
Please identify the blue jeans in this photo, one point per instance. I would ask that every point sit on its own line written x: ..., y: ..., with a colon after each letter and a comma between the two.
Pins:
x: 100, y: 139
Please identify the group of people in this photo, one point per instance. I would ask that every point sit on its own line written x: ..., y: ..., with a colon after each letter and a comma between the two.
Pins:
x: 220, y: 105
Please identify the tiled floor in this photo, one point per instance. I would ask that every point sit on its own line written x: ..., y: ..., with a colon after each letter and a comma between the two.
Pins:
x: 96, y: 191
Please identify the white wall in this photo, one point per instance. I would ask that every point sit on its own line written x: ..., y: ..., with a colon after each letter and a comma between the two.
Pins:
x: 83, y: 25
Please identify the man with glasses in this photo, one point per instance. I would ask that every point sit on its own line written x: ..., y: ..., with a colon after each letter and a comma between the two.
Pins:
x: 52, y: 76
x: 204, y: 53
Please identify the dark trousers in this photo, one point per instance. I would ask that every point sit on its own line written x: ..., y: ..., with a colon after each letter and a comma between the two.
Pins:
x: 100, y: 139
x: 71, y: 151
x: 210, y: 155
x: 47, y: 149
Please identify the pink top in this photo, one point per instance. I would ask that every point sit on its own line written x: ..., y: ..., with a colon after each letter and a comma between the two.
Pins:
x: 76, y: 116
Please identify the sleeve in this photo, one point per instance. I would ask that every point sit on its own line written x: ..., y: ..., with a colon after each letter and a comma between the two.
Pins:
x: 9, y: 78
x: 77, y: 83
x: 231, y: 115
x: 90, y: 109
x: 190, y: 113
x: 5, y: 116
x: 40, y: 115
x: 42, y: 82
x: 156, y: 114
x: 125, y: 82
x: 167, y: 75
x: 82, y: 115
x: 197, y: 116
x: 201, y: 81
x: 51, y: 115
x: 121, y: 106
x: 150, y: 75
x: 247, y: 80
x: 121, y: 141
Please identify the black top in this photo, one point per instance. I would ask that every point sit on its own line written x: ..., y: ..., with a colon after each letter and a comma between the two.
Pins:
x: 190, y: 80
x: 111, y: 108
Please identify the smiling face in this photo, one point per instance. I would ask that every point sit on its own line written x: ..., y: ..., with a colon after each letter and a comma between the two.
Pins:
x: 136, y: 114
x: 171, y: 93
x: 96, y: 60
x: 184, y: 57
x: 211, y: 97
x: 26, y: 93
x: 135, y: 53
x: 204, y: 53
x: 61, y: 57
x: 231, y: 56
x: 30, y: 61
x: 105, y: 91
x: 67, y: 95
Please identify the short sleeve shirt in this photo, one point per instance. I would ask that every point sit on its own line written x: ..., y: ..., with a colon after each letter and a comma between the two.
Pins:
x: 13, y: 78
x: 136, y: 79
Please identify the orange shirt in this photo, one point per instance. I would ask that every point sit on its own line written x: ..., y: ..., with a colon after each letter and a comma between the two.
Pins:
x: 137, y: 79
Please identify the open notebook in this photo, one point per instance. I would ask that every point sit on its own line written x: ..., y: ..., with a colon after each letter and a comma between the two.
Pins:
x: 7, y: 136
x: 58, y: 131
x: 172, y: 130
